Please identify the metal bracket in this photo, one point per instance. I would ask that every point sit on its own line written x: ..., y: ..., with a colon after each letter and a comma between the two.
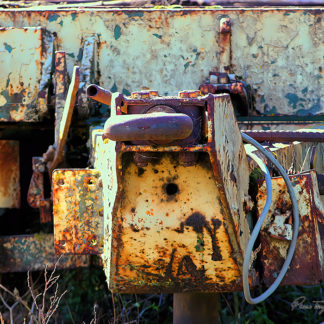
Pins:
x: 78, y: 211
x: 240, y: 91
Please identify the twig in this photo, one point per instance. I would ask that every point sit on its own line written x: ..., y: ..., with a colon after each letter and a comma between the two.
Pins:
x: 18, y: 298
x: 10, y: 308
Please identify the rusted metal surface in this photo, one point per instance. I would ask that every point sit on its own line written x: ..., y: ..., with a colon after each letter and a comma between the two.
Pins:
x: 65, y: 121
x: 307, y: 265
x: 268, y: 47
x: 170, y: 227
x: 157, y: 126
x: 139, y: 3
x: 87, y: 73
x: 61, y: 88
x: 225, y: 44
x: 9, y: 174
x: 23, y: 253
x: 25, y: 72
x: 99, y: 94
x: 240, y: 92
x: 282, y: 136
x: 35, y: 195
x: 78, y: 211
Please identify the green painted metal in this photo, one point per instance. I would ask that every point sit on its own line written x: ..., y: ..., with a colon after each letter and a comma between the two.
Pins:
x: 278, y: 51
x: 32, y: 252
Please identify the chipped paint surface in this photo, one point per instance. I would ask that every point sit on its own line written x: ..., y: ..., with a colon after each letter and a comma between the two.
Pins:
x: 169, y: 227
x: 24, y: 253
x: 307, y: 265
x: 78, y: 211
x: 9, y: 174
x: 25, y: 71
x: 278, y: 51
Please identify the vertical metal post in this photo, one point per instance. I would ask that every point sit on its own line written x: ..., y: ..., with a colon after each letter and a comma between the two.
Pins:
x: 225, y: 45
x: 195, y: 308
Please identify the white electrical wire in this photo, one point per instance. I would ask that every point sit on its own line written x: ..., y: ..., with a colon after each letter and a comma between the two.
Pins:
x: 257, y: 228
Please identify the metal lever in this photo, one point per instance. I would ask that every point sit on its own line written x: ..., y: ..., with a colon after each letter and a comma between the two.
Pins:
x: 157, y: 126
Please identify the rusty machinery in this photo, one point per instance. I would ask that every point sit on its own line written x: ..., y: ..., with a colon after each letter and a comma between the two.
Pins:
x: 166, y: 200
x: 175, y: 215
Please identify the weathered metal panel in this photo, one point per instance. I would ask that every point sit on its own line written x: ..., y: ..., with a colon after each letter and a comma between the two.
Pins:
x: 169, y: 226
x: 78, y: 211
x: 307, y: 266
x: 279, y: 51
x: 9, y: 174
x: 25, y: 60
x: 32, y: 252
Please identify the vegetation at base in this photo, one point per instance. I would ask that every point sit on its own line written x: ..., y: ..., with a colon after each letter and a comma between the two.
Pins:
x: 88, y: 300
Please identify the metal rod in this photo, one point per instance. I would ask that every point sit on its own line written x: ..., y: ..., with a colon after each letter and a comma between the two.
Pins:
x: 156, y: 127
x: 311, y: 135
x: 99, y: 94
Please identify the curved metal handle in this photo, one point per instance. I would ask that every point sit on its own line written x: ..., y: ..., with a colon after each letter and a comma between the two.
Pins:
x: 158, y: 126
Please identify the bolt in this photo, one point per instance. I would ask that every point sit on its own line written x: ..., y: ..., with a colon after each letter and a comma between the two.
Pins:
x: 189, y: 94
x: 154, y: 93
x: 141, y: 94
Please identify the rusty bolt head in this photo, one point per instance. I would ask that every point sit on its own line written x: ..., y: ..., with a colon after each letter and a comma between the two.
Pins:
x: 141, y: 95
x: 189, y: 94
x: 154, y: 93
x: 213, y: 79
x: 225, y: 25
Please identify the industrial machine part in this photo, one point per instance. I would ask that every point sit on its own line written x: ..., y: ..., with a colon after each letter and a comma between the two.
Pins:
x: 175, y: 209
x: 165, y: 201
x: 240, y: 91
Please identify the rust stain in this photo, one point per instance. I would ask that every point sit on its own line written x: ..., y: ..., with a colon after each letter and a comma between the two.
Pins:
x: 9, y: 174
x: 77, y: 206
x: 306, y: 268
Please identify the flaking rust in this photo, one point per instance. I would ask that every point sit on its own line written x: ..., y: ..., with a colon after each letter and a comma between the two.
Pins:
x: 9, y: 174
x: 170, y: 225
x: 267, y: 47
x: 23, y: 253
x: 307, y: 267
x: 78, y: 212
x: 25, y: 72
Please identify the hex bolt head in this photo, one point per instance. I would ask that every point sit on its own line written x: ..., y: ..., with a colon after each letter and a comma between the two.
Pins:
x: 141, y: 95
x: 189, y: 94
x: 154, y: 93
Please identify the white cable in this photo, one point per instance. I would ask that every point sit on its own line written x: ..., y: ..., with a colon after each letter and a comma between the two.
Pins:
x: 257, y: 228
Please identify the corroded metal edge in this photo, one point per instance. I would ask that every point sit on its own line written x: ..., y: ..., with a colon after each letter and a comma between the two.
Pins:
x: 78, y: 211
x: 23, y: 253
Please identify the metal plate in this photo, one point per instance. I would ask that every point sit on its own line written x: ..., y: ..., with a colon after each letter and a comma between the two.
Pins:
x: 9, y: 174
x: 279, y: 51
x: 307, y: 265
x: 78, y: 211
x: 32, y: 252
x: 24, y: 72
